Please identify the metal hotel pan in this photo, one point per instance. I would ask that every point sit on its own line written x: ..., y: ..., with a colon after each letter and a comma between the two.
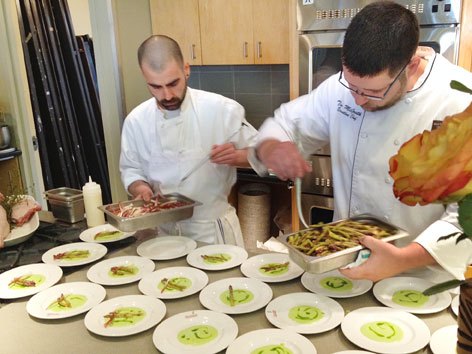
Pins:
x: 321, y: 264
x: 152, y: 219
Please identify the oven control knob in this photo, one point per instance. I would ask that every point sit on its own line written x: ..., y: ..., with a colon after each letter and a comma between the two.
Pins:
x: 317, y: 181
x: 323, y: 182
x: 328, y: 182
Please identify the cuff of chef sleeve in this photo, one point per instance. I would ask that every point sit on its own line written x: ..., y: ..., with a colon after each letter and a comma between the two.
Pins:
x: 255, y: 163
x: 453, y: 257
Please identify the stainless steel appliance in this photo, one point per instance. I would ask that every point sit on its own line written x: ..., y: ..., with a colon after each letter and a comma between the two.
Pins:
x: 321, y: 25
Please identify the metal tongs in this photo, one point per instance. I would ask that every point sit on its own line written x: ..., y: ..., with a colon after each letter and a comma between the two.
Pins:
x: 205, y: 159
x: 298, y: 180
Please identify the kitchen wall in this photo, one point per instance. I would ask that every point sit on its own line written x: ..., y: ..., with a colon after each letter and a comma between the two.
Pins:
x: 260, y: 89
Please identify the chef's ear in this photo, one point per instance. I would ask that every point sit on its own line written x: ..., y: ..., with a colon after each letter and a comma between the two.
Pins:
x: 187, y: 70
x: 413, y: 65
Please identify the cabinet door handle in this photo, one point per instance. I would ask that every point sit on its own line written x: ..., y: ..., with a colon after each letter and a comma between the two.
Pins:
x: 259, y: 53
x: 245, y: 49
x: 192, y: 51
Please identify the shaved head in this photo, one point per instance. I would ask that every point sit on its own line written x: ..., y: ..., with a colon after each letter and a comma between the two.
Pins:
x: 157, y: 51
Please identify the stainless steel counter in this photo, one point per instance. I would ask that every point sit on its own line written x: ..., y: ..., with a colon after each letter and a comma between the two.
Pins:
x: 20, y: 333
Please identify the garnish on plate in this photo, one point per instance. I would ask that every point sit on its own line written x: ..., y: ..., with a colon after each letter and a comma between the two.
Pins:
x: 62, y: 301
x: 123, y: 270
x: 275, y: 266
x: 214, y: 258
x: 123, y: 316
x: 168, y: 284
x: 104, y: 234
x: 23, y: 282
x: 231, y: 296
x: 72, y: 255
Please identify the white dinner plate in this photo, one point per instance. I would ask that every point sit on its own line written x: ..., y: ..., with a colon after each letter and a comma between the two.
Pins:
x: 23, y: 232
x: 210, y: 332
x: 414, y: 333
x: 151, y: 311
x: 249, y: 342
x: 250, y: 295
x: 334, y: 284
x: 89, y: 234
x: 353, y: 352
x: 235, y: 256
x: 252, y: 268
x: 96, y: 250
x: 455, y: 305
x: 305, y: 313
x: 409, y: 297
x: 82, y: 296
x: 166, y: 247
x: 192, y: 279
x: 45, y: 276
x: 444, y: 340
x: 101, y: 273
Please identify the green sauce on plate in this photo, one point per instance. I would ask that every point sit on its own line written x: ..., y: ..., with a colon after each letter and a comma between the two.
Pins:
x: 272, y: 349
x: 197, y: 335
x: 410, y: 298
x: 305, y: 314
x: 241, y: 296
x: 127, y: 316
x: 38, y: 279
x: 75, y: 301
x: 183, y: 283
x: 339, y: 284
x: 382, y: 331
x: 216, y: 258
x: 280, y: 268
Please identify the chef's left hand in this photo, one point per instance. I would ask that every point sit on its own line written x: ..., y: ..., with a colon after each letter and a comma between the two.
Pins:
x: 225, y: 154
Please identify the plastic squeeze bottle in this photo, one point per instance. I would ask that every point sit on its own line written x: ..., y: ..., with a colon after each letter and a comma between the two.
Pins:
x: 92, y: 200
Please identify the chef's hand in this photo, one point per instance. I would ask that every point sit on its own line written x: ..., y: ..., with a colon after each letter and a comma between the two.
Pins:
x: 141, y: 190
x: 387, y: 260
x: 225, y: 154
x: 283, y: 158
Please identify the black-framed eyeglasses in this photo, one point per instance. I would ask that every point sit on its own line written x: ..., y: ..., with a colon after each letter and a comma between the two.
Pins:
x: 344, y: 82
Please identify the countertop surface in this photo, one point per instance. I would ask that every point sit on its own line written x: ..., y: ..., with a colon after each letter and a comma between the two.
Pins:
x: 22, y: 333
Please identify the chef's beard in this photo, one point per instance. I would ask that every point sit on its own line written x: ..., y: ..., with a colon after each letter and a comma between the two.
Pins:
x: 397, y: 97
x: 175, y: 103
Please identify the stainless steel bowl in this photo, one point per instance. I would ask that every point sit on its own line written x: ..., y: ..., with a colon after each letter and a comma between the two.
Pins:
x: 5, y: 136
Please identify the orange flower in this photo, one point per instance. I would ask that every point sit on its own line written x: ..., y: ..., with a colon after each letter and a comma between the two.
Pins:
x: 436, y: 166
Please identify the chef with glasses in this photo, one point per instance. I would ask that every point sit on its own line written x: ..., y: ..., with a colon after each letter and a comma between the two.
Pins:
x: 389, y: 90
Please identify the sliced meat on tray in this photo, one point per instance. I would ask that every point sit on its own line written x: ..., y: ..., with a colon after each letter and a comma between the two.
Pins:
x: 22, y: 211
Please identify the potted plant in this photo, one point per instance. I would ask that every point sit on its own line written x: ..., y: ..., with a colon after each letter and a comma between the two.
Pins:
x: 436, y: 167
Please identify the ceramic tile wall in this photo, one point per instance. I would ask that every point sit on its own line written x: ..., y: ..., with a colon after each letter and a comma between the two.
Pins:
x: 260, y: 89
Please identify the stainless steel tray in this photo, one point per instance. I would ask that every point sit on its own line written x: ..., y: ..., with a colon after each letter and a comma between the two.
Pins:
x: 321, y: 264
x: 153, y: 219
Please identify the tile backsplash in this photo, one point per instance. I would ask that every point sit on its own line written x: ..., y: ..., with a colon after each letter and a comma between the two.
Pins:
x: 260, y: 89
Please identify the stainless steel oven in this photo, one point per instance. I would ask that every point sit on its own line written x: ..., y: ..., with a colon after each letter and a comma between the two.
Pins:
x: 321, y: 25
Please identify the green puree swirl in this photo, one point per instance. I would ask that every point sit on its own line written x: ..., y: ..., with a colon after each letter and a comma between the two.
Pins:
x: 305, y: 314
x: 382, y: 331
x: 74, y: 299
x: 37, y: 278
x: 197, y: 335
x: 225, y: 256
x: 339, y: 284
x: 274, y: 272
x: 185, y: 283
x: 272, y: 349
x: 241, y: 296
x: 410, y: 298
x: 139, y: 315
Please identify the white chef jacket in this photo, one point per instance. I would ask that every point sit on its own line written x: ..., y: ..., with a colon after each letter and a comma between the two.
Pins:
x: 160, y: 147
x: 362, y: 143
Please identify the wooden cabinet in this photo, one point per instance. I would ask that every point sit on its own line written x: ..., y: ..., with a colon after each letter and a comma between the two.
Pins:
x: 179, y: 20
x: 10, y: 176
x: 220, y: 32
x: 271, y: 31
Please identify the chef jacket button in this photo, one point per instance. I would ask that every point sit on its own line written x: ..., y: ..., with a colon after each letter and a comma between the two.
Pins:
x: 387, y: 180
x: 386, y: 217
x: 364, y: 135
x: 356, y: 173
x: 396, y: 142
x: 408, y: 100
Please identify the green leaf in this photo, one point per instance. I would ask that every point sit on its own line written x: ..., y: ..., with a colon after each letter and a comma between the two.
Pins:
x: 465, y: 214
x: 444, y: 286
x: 456, y: 85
